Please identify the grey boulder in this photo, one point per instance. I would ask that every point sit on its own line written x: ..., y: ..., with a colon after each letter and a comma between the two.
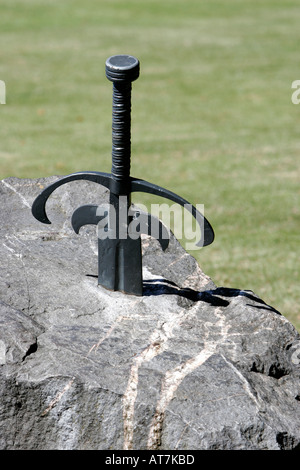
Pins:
x: 187, y: 366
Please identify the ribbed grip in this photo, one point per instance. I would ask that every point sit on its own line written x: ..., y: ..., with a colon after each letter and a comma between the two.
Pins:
x: 121, y: 70
x: 121, y: 134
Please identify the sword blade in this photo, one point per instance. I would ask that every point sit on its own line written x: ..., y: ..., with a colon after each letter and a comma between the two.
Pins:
x: 120, y: 265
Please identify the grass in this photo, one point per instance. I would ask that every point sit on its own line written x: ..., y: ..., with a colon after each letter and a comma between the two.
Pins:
x: 212, y: 116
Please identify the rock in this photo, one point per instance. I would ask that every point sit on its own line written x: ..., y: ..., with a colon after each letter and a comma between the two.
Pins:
x: 187, y: 366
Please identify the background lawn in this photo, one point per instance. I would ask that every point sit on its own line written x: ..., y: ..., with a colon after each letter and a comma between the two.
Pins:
x: 212, y: 116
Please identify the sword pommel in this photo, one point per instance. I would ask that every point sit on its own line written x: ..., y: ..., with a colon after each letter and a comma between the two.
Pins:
x: 122, y: 68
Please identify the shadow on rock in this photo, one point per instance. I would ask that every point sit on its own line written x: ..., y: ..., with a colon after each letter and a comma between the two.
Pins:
x: 216, y: 297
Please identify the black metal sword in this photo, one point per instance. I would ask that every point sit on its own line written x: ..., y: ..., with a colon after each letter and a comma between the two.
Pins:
x: 119, y: 248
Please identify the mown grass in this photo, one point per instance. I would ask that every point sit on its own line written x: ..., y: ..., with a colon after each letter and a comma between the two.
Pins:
x: 212, y: 116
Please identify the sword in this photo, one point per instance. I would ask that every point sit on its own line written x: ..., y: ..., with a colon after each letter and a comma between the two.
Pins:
x: 119, y: 246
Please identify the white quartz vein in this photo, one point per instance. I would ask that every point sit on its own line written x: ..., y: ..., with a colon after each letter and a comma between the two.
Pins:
x: 25, y: 202
x: 171, y: 381
x: 157, y: 344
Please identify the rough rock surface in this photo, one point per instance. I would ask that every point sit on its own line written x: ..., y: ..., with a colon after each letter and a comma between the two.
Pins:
x: 187, y: 366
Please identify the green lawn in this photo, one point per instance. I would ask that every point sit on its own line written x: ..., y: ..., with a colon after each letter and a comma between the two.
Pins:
x: 212, y: 116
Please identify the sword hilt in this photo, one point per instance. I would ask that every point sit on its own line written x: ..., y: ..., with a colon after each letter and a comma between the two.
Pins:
x: 122, y: 70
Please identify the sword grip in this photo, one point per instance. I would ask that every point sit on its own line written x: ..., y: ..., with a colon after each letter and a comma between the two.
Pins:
x: 122, y: 70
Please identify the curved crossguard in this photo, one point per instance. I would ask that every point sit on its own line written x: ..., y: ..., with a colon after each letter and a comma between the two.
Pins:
x: 119, y: 252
